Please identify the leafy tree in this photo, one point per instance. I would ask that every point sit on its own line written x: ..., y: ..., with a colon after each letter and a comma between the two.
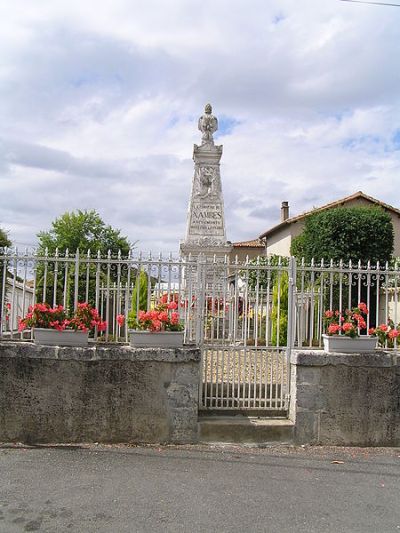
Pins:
x: 348, y: 233
x: 83, y: 231
x: 4, y: 243
x: 279, y: 313
x: 4, y: 240
x: 139, y: 295
x: 267, y: 271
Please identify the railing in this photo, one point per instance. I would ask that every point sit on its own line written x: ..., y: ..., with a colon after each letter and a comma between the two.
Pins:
x: 107, y: 283
x: 223, y: 303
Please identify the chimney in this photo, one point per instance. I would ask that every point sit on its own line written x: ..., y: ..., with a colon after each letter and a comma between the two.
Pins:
x: 284, y: 211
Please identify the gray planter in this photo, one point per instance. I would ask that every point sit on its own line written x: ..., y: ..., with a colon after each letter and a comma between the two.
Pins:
x: 68, y: 337
x: 150, y: 339
x: 343, y: 344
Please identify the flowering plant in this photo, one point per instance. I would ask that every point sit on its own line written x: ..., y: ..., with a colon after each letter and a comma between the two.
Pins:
x: 386, y: 333
x: 163, y: 317
x: 42, y: 315
x: 349, y: 323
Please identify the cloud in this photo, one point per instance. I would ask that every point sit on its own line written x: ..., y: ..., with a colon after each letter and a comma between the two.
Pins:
x: 99, y: 105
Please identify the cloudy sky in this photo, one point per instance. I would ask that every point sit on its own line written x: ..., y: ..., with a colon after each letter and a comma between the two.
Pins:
x: 99, y: 104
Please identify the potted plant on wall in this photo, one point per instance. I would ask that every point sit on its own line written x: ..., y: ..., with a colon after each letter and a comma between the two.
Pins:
x: 53, y: 326
x: 386, y: 334
x: 343, y: 331
x: 159, y: 327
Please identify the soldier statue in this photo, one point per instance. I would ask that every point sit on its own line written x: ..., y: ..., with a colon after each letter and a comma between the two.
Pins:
x: 208, y: 124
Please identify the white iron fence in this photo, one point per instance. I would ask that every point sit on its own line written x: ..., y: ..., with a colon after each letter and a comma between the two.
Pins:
x: 245, y: 316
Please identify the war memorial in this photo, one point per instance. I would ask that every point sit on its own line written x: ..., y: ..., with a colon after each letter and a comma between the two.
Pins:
x: 206, y: 233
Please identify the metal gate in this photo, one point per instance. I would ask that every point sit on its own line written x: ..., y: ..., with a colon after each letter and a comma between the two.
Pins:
x: 246, y: 312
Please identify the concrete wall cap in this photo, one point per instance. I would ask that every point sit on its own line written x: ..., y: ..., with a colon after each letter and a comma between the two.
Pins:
x: 99, y: 352
x: 379, y: 359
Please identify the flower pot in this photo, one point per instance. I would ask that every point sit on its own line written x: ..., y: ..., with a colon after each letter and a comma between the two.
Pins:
x: 67, y: 337
x: 343, y: 344
x: 158, y: 339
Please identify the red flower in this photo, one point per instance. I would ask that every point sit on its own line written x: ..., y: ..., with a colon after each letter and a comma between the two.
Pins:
x: 163, y: 316
x: 371, y: 331
x: 172, y: 305
x: 334, y: 329
x: 121, y: 320
x: 329, y: 314
x: 347, y: 326
x: 393, y: 333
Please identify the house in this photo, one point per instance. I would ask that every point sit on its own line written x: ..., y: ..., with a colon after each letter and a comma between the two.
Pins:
x: 18, y: 298
x: 278, y: 239
x: 246, y: 250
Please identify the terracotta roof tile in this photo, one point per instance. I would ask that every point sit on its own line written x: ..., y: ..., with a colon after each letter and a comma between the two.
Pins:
x: 255, y: 243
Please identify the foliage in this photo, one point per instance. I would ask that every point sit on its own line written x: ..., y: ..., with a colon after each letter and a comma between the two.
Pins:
x: 349, y: 323
x: 279, y: 313
x: 347, y: 233
x: 83, y: 230
x: 139, y: 295
x: 163, y: 318
x: 386, y: 333
x: 4, y: 240
x: 42, y: 315
x: 4, y: 243
x: 261, y: 276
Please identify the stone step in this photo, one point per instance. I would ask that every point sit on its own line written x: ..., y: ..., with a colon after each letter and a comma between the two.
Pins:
x: 245, y: 429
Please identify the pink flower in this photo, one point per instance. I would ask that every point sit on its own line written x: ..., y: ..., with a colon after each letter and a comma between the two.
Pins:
x: 8, y: 305
x: 393, y: 333
x: 383, y: 327
x: 371, y: 331
x: 363, y: 308
x: 172, y: 305
x: 163, y: 316
x: 121, y: 320
x: 329, y: 314
x: 174, y: 318
x: 347, y: 326
x: 102, y: 326
x: 333, y: 329
x: 156, y: 325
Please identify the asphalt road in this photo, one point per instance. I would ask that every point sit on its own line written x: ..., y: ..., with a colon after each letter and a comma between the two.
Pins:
x: 199, y: 489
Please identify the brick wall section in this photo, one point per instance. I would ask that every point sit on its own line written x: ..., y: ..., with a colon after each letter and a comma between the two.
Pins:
x: 346, y: 399
x: 98, y: 394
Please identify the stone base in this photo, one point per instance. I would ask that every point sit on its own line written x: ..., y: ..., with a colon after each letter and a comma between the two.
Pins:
x: 100, y: 394
x: 345, y: 399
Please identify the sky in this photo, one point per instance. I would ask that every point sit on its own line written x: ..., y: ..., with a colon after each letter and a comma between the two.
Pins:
x: 99, y: 103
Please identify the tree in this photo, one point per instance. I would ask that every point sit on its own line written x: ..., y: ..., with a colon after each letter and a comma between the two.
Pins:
x: 4, y: 240
x: 139, y: 295
x: 4, y: 243
x: 279, y: 313
x: 347, y: 233
x: 83, y: 231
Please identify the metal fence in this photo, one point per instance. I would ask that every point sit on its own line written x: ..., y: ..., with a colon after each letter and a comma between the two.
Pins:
x: 246, y: 317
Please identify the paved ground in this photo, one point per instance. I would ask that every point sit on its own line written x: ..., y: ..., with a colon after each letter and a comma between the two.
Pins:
x: 199, y: 489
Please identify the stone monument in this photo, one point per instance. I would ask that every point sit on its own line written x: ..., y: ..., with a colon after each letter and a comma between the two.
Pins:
x: 205, y: 233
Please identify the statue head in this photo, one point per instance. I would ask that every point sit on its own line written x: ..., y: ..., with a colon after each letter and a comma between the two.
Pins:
x: 208, y: 109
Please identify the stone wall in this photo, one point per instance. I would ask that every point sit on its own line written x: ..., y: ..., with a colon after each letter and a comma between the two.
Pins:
x: 98, y: 394
x: 346, y: 399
